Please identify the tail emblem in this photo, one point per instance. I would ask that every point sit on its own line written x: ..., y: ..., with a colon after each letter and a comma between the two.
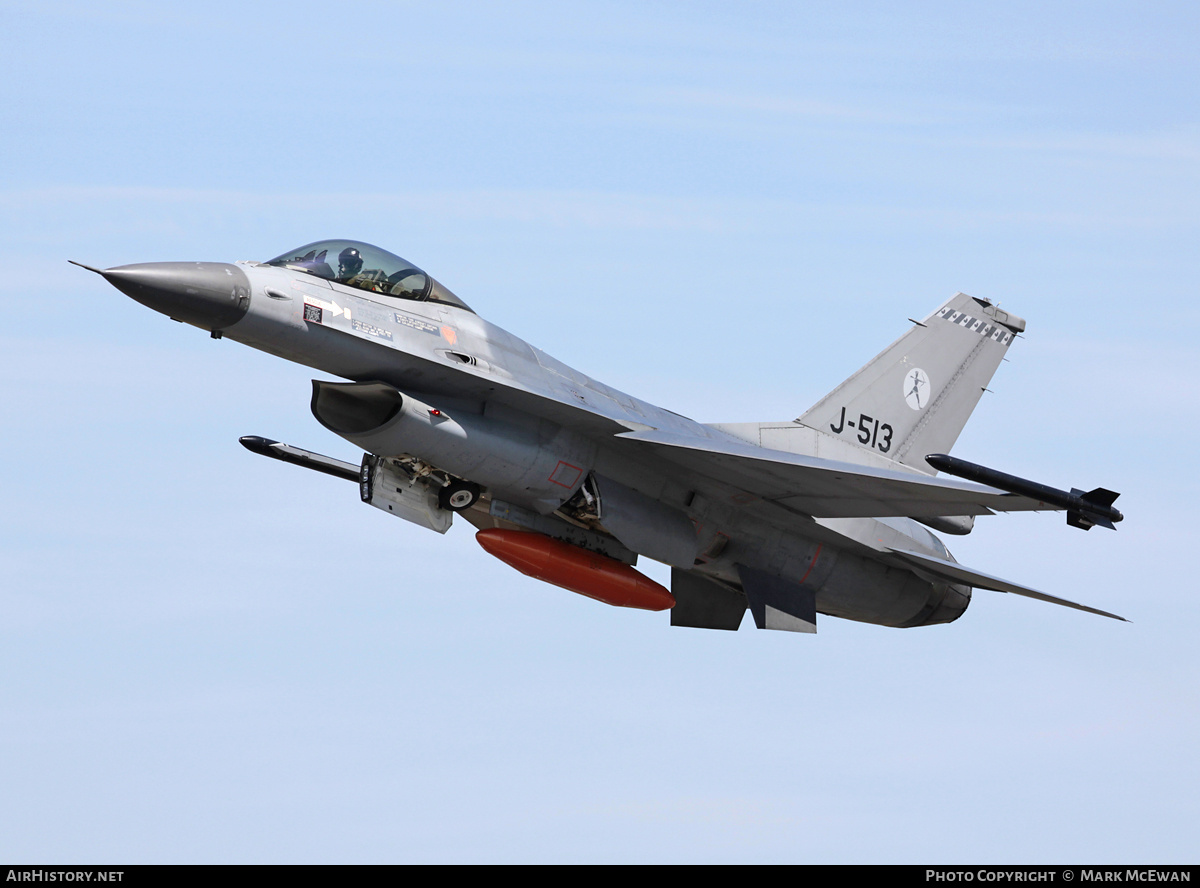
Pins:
x: 916, y: 388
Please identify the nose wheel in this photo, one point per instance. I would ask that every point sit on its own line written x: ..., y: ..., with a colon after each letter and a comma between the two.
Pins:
x: 458, y: 495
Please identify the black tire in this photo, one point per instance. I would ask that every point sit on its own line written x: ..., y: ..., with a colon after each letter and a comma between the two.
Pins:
x: 458, y: 495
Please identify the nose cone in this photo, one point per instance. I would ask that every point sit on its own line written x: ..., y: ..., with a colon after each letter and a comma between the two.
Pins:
x: 209, y: 295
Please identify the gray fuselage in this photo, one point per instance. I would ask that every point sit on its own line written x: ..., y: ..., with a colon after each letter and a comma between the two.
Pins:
x: 448, y: 355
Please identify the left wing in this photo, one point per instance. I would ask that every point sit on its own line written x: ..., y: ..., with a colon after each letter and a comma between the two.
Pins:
x: 827, y: 489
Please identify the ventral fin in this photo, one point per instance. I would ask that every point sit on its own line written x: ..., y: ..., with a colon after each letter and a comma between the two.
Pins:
x: 777, y: 603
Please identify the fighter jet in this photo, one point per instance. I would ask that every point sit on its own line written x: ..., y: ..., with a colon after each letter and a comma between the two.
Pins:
x: 571, y: 481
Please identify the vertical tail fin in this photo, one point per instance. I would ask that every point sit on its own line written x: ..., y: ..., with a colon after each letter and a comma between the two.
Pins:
x: 915, y: 396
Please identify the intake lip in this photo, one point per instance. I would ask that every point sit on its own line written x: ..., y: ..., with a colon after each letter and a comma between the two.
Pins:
x: 355, y: 408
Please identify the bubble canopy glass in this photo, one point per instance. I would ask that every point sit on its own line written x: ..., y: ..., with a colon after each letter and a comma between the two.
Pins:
x: 369, y: 268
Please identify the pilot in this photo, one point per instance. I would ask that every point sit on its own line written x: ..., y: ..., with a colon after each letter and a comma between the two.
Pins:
x: 350, y: 263
x: 350, y: 272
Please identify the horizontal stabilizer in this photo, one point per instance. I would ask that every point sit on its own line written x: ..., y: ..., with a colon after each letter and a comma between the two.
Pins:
x: 956, y: 573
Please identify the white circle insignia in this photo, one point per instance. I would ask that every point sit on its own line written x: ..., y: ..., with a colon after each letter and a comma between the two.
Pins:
x: 916, y: 388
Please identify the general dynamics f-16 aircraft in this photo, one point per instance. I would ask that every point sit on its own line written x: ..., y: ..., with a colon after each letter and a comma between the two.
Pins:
x: 570, y: 481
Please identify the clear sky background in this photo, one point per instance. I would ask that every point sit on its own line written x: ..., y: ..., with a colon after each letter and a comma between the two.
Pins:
x: 726, y: 209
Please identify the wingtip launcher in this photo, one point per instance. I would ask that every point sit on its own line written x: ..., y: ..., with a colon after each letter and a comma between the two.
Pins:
x: 1085, y: 510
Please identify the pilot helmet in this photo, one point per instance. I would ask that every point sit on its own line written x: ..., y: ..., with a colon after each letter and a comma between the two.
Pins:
x: 350, y: 263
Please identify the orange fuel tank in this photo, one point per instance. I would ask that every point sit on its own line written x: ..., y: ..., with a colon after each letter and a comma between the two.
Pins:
x: 588, y: 573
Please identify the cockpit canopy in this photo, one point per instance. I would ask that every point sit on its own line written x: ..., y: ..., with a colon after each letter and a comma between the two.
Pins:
x: 369, y: 268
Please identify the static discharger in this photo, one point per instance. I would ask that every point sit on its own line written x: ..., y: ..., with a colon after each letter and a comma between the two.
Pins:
x: 579, y: 570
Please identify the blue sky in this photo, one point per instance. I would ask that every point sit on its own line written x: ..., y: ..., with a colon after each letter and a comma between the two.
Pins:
x: 725, y: 209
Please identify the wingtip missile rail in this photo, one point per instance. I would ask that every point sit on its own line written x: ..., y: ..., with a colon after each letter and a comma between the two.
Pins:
x: 1085, y: 510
